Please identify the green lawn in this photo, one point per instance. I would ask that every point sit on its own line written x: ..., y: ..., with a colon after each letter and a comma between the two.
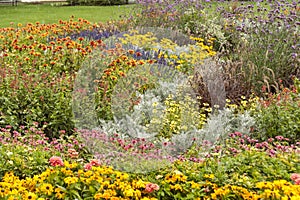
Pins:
x: 49, y: 13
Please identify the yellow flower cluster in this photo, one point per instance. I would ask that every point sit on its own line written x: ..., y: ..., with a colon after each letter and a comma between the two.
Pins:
x: 181, y: 116
x: 185, y: 59
x: 175, y: 177
x: 244, y: 104
x: 141, y: 40
x: 278, y: 189
x: 177, y: 180
x: 98, y: 183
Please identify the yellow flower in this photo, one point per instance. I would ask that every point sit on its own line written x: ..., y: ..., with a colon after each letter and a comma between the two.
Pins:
x: 210, y: 176
x: 276, y: 194
x: 139, y: 184
x: 46, y: 188
x: 220, y: 192
x: 262, y: 185
x: 88, y: 173
x: 284, y: 198
x: 213, y: 196
x: 12, y: 197
x: 29, y: 196
x: 9, y: 178
x: 80, y: 172
x: 66, y: 171
x: 70, y: 165
x: 197, y: 39
x: 71, y: 180
x: 173, y: 56
x: 129, y: 192
x: 3, y: 192
x: 98, y: 196
x: 59, y: 194
x: 194, y: 185
x: 267, y: 193
x: 295, y: 198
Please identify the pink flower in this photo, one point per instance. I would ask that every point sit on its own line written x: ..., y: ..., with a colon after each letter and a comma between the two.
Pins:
x: 279, y: 137
x: 56, y: 161
x: 73, y: 153
x: 150, y: 187
x: 88, y: 166
x: 95, y: 162
x: 296, y: 178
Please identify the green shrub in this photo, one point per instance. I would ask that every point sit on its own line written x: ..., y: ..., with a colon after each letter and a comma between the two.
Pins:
x: 29, y: 100
x: 22, y: 160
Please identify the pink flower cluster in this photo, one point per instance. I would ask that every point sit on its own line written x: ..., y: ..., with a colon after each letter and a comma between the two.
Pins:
x: 296, y: 178
x: 150, y: 187
x: 56, y: 161
x: 92, y: 163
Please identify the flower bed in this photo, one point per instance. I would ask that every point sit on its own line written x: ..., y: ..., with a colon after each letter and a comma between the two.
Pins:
x: 115, y: 111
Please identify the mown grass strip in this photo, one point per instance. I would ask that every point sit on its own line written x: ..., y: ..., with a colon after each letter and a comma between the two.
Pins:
x: 52, y: 13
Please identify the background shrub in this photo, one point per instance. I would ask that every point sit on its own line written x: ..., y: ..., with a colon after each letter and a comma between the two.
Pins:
x: 97, y: 2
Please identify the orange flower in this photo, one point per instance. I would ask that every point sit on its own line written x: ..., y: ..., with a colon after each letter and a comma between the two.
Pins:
x: 130, y: 51
x: 122, y: 74
x: 113, y: 78
x: 124, y: 57
x: 141, y: 62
